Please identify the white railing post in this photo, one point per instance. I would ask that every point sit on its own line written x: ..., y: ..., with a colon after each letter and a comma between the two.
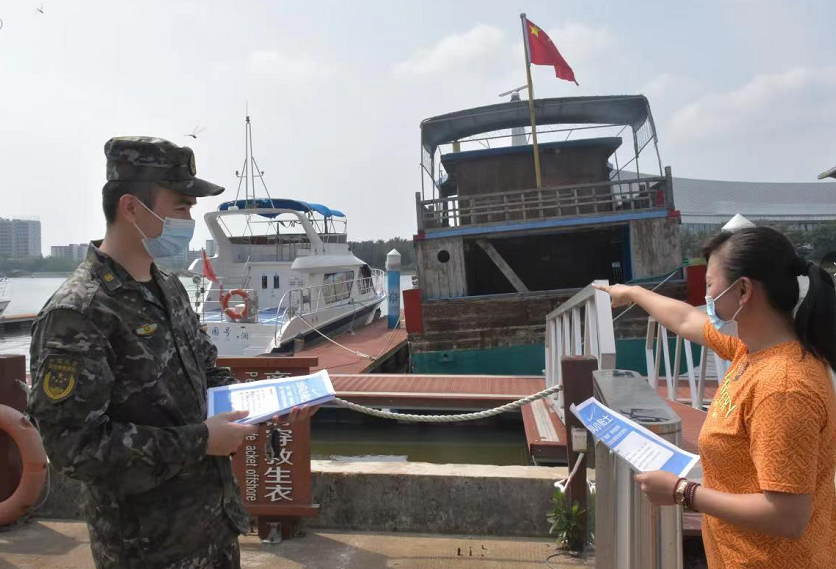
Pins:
x: 656, y: 347
x: 689, y: 360
x: 568, y: 333
x: 663, y: 333
x: 650, y: 359
x: 577, y: 349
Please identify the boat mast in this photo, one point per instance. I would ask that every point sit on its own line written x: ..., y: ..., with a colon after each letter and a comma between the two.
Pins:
x: 250, y: 170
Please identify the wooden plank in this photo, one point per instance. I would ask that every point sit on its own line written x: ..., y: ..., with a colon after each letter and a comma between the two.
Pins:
x: 544, y: 422
x: 632, y: 182
x: 503, y: 266
x: 540, y: 444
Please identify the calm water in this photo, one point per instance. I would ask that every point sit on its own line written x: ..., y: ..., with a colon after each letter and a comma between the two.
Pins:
x: 439, y: 444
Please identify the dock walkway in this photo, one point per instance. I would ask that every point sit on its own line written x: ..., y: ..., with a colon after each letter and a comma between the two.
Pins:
x: 49, y: 544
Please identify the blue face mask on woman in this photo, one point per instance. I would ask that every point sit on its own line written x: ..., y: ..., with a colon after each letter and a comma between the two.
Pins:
x: 174, y: 240
x: 727, y: 327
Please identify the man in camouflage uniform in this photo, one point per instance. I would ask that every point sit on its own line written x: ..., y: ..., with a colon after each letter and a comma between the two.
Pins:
x: 120, y: 368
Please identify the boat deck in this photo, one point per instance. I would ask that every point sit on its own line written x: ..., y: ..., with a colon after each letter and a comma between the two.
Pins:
x: 265, y: 315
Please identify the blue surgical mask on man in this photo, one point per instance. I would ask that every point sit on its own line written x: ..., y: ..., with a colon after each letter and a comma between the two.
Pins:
x: 727, y: 327
x: 174, y: 239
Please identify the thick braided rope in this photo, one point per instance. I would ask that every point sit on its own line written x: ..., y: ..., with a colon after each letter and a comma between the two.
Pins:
x: 409, y: 418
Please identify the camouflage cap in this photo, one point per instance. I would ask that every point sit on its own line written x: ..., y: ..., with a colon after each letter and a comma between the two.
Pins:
x: 156, y: 160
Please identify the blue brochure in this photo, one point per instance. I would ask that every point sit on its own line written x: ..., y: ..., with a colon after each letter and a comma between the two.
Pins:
x: 642, y: 449
x: 270, y: 397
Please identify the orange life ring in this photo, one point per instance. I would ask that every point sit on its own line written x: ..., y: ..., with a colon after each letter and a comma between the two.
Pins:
x: 33, y: 457
x: 234, y: 314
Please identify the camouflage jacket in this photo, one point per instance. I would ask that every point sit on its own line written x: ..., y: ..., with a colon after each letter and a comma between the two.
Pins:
x: 119, y: 383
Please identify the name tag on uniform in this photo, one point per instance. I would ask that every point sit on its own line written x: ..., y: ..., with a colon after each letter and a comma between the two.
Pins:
x: 146, y: 330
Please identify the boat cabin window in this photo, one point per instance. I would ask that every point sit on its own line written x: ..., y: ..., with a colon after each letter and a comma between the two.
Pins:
x: 263, y: 281
x: 276, y: 281
x: 337, y: 286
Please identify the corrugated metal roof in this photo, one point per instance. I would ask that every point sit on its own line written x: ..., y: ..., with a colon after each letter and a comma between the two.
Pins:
x: 756, y: 200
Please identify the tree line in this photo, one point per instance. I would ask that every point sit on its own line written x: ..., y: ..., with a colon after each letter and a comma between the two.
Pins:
x: 374, y: 252
x: 812, y: 244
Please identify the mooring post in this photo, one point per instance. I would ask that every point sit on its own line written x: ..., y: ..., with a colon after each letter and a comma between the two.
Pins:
x: 577, y: 388
x: 393, y: 267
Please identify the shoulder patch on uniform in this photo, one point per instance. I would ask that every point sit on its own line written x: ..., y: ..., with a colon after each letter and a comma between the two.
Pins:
x: 108, y: 278
x: 146, y: 329
x: 60, y: 376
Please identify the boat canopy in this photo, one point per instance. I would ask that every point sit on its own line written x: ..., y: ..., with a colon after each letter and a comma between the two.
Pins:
x: 632, y: 110
x: 265, y: 203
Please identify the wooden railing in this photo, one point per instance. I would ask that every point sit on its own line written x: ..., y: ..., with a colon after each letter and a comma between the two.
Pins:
x: 599, y: 198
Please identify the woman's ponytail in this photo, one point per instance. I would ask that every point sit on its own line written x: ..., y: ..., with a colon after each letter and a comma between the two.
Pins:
x: 815, y: 320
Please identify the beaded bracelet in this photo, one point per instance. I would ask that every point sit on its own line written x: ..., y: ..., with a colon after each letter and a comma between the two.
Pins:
x: 690, y: 492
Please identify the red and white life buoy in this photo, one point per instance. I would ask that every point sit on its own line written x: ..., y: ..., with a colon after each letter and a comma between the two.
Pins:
x: 231, y: 312
x: 33, y: 457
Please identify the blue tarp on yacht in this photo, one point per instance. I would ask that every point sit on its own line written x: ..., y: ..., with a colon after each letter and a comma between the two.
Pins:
x: 264, y: 203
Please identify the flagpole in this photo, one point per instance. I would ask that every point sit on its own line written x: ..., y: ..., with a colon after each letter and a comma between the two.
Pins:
x: 531, y: 102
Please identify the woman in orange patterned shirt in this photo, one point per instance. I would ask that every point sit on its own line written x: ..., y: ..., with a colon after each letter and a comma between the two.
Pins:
x: 768, y: 445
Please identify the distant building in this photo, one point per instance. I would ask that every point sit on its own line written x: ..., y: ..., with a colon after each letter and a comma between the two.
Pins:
x: 210, y: 247
x: 20, y: 238
x: 706, y: 205
x: 77, y: 252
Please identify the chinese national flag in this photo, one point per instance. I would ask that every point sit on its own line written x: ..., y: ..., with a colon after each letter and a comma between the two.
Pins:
x: 208, y: 271
x: 542, y: 51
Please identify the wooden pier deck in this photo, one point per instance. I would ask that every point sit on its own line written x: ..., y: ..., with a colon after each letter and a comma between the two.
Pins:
x: 374, y: 340
x: 13, y: 322
x: 435, y: 392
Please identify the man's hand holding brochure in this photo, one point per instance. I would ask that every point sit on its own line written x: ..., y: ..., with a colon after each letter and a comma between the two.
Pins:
x: 235, y: 410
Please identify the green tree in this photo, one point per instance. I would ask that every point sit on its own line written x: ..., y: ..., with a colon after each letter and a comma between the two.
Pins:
x: 374, y: 252
x: 822, y: 239
x: 691, y: 243
x: 28, y: 265
x: 811, y: 244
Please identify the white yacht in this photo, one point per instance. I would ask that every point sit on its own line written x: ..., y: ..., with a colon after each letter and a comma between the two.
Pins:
x: 4, y: 300
x: 282, y: 271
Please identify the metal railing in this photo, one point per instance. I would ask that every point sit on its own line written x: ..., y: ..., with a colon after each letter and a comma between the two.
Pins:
x: 581, y: 326
x: 301, y: 301
x: 631, y: 532
x: 657, y: 351
x: 598, y: 198
x: 308, y: 300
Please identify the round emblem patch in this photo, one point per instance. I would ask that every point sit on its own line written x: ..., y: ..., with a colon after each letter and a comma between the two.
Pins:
x: 59, y: 377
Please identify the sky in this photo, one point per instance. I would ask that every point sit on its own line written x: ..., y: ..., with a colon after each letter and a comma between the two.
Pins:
x: 740, y: 90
